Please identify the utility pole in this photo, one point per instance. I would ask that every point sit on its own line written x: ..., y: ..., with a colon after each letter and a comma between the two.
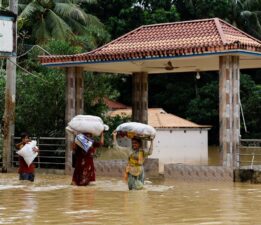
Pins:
x: 10, y: 92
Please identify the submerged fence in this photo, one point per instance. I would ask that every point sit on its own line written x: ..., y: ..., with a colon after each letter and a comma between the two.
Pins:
x: 52, y: 153
x: 250, y: 153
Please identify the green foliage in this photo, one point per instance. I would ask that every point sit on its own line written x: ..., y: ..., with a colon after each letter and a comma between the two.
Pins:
x: 251, y: 103
x: 61, y: 47
x: 250, y: 16
x: 70, y: 27
x: 171, y: 92
x: 123, y: 84
x: 245, y: 14
x: 112, y: 122
x: 40, y: 104
x: 121, y: 16
x: 204, y: 109
x: 198, y: 9
x: 60, y: 20
x: 40, y: 99
x: 97, y: 86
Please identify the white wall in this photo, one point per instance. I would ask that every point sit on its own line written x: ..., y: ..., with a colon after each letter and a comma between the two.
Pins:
x: 189, y: 146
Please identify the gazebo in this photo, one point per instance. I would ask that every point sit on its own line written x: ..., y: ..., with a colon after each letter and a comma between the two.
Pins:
x: 188, y: 46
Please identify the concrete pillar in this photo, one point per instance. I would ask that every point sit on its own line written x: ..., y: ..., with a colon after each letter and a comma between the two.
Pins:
x: 79, y: 85
x: 140, y: 97
x: 236, y: 110
x: 229, y: 111
x: 74, y: 106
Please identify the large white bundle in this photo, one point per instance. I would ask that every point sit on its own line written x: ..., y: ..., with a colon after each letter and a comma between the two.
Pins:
x: 132, y: 129
x: 27, y: 152
x: 86, y: 124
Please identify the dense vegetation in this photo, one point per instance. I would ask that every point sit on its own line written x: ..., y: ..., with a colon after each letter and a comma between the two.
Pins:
x: 73, y: 26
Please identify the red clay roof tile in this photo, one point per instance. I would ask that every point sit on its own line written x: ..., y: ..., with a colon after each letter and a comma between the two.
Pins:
x: 169, y: 39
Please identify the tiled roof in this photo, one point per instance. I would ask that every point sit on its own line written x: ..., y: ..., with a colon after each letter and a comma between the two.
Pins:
x: 113, y: 105
x: 158, y: 118
x: 167, y: 40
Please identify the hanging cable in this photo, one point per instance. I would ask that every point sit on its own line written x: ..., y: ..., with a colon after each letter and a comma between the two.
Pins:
x: 28, y: 71
x: 242, y: 113
x: 32, y: 49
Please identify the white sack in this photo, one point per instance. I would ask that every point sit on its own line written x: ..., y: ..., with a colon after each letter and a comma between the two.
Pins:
x: 70, y: 130
x: 27, y: 152
x: 138, y: 129
x: 87, y: 124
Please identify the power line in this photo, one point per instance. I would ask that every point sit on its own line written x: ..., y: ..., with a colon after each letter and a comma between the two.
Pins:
x: 19, y: 56
x: 28, y: 72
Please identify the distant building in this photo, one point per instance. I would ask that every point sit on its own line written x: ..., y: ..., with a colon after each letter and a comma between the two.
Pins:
x: 113, y: 105
x: 177, y: 140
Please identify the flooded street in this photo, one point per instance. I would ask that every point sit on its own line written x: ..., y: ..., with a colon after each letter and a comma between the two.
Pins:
x: 51, y: 200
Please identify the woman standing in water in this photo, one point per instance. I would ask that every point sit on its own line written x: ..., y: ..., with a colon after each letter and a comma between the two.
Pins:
x: 134, y: 172
x: 84, y: 171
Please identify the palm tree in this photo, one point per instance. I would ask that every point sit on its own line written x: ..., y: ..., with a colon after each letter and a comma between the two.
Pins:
x: 57, y: 19
x: 251, y: 17
x: 246, y: 14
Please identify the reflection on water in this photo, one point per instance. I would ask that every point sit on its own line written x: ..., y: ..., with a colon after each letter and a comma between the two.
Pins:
x: 214, y: 156
x: 51, y: 200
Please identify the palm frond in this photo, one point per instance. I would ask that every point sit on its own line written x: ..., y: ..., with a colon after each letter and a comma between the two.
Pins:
x: 70, y: 10
x: 75, y: 12
x: 40, y: 32
x: 30, y: 9
x: 21, y: 7
x: 93, y: 20
x: 57, y: 26
x: 77, y: 27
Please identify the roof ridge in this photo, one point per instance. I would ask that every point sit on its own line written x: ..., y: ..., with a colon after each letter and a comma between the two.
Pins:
x: 220, y: 31
x: 115, y: 40
x: 177, y: 22
x: 157, y: 116
x: 143, y: 26
x: 240, y: 31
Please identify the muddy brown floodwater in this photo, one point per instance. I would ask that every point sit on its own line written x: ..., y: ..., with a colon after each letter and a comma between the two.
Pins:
x: 51, y: 200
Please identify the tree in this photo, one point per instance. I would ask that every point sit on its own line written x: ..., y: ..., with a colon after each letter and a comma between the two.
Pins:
x: 251, y: 17
x: 41, y: 93
x: 120, y: 16
x: 250, y: 94
x: 62, y: 20
x: 200, y: 9
x: 204, y: 108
